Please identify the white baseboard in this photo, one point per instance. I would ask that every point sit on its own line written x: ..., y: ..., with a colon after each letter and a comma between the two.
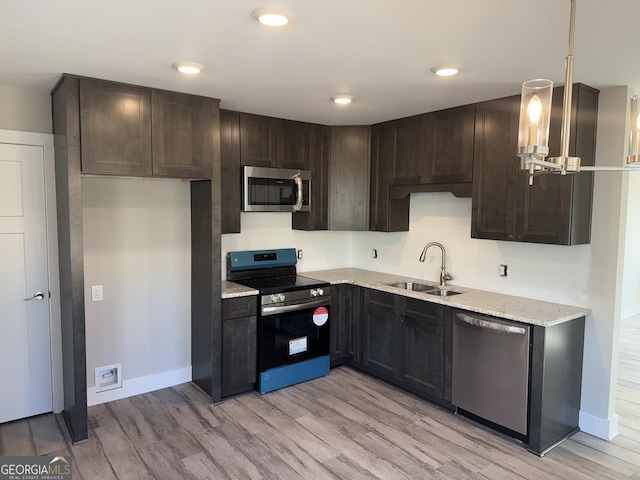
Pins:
x: 138, y: 385
x: 604, y: 428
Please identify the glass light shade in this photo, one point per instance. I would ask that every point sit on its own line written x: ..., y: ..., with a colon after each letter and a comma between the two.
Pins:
x: 634, y: 131
x: 535, y: 113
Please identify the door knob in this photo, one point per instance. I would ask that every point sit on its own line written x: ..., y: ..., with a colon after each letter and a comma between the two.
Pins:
x: 36, y: 296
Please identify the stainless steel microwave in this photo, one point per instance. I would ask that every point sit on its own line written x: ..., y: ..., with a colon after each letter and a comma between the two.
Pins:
x: 275, y: 190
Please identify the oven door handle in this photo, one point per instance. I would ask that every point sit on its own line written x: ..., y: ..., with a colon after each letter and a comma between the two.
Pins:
x: 293, y: 308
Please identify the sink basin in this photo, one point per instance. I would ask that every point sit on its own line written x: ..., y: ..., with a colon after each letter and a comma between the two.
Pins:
x: 442, y: 293
x: 416, y: 287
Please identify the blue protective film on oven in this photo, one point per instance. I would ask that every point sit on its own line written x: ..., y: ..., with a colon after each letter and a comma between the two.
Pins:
x: 291, y: 374
x: 253, y: 259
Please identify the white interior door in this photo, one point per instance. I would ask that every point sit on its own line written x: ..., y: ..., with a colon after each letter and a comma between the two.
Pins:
x: 25, y: 348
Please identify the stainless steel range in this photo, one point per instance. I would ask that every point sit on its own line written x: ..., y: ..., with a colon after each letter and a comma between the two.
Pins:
x: 293, y: 319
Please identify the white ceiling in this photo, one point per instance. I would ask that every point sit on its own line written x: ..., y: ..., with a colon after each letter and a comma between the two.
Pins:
x: 379, y: 51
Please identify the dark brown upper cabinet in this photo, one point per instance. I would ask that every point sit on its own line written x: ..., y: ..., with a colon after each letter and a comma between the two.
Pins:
x: 349, y: 178
x: 434, y: 147
x: 139, y: 131
x: 495, y: 176
x: 293, y: 144
x: 258, y: 140
x: 230, y: 171
x: 319, y: 156
x: 274, y: 142
x: 449, y: 145
x: 385, y: 214
x: 556, y: 209
x: 407, y: 136
x: 115, y: 124
x: 182, y: 134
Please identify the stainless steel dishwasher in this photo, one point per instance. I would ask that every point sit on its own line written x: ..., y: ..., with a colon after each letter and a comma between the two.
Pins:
x: 490, y: 377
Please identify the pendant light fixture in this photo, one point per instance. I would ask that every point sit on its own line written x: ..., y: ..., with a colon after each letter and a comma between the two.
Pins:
x: 535, y: 113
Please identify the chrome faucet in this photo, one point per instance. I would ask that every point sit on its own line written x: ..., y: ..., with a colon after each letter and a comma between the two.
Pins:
x: 444, y: 276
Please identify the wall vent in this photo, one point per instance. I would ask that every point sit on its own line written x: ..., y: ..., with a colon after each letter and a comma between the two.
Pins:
x: 108, y: 377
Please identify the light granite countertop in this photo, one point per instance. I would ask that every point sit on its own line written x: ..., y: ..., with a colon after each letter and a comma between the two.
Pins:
x: 521, y: 309
x: 234, y: 290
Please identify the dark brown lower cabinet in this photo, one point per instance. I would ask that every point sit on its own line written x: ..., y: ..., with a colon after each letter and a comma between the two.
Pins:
x: 556, y: 383
x: 404, y: 341
x: 345, y: 324
x: 422, y: 355
x: 379, y: 337
x: 239, y: 345
x: 408, y: 343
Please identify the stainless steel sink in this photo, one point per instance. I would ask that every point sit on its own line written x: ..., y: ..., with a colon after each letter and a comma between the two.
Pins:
x: 443, y: 293
x: 416, y: 287
x: 423, y: 287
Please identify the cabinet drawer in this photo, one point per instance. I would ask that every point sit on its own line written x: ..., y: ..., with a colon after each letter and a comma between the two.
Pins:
x: 239, y: 307
x: 382, y: 300
x: 424, y: 311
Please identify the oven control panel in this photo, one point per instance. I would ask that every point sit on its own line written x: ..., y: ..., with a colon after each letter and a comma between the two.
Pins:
x: 297, y: 296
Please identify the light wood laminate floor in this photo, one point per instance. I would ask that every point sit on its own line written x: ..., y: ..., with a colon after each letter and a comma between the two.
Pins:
x: 346, y: 425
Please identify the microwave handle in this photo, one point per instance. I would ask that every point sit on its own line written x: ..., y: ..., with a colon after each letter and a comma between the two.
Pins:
x: 298, y: 205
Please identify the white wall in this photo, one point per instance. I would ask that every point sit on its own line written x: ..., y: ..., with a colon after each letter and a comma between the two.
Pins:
x: 321, y: 249
x: 26, y: 110
x: 137, y: 244
x: 546, y: 272
x: 608, y: 235
x: 631, y: 269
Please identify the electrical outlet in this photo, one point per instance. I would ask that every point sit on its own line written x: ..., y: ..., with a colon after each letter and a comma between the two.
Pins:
x: 97, y: 293
x: 502, y: 270
x: 374, y: 253
x: 300, y: 254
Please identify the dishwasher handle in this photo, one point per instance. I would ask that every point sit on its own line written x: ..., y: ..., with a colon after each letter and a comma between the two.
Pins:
x: 491, y: 324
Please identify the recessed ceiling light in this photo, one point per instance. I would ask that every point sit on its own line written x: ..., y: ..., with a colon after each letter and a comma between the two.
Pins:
x: 190, y: 68
x: 273, y: 16
x: 342, y: 99
x: 446, y: 70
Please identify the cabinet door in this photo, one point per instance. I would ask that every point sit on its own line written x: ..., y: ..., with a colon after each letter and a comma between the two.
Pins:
x: 183, y: 134
x: 349, y: 179
x: 421, y: 366
x: 556, y: 209
x: 258, y: 140
x: 408, y: 150
x: 379, y: 335
x: 239, y: 355
x: 341, y: 301
x: 230, y: 171
x: 385, y: 214
x: 293, y: 144
x: 495, y: 169
x: 115, y: 121
x: 449, y: 145
x: 319, y: 154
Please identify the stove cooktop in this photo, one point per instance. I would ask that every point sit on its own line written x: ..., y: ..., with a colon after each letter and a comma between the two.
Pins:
x: 282, y: 283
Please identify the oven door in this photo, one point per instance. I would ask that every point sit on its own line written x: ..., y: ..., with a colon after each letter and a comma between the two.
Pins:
x: 290, y: 334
